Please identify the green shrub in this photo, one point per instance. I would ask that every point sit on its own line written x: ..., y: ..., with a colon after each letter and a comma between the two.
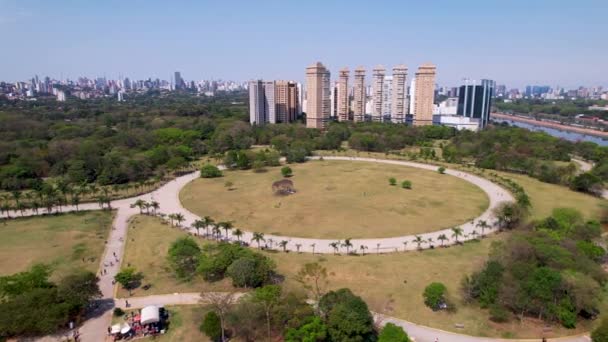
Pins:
x: 434, y: 295
x: 600, y: 334
x: 210, y: 171
x: 393, y: 333
x: 392, y: 181
x: 286, y: 171
x: 498, y: 313
x: 406, y: 184
x: 212, y: 326
x: 441, y: 170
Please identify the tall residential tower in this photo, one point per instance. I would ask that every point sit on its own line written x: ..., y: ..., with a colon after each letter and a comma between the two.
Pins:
x: 343, y: 106
x: 399, y: 94
x: 317, y: 96
x: 424, y: 95
x: 378, y: 87
x: 360, y: 96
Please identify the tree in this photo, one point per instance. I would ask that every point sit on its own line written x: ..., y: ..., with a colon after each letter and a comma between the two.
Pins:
x: 406, y: 184
x: 139, y: 204
x: 600, y: 334
x: 434, y: 295
x: 238, y: 233
x: 286, y: 171
x: 221, y: 304
x: 443, y: 238
x: 268, y: 296
x: 483, y: 225
x: 128, y: 278
x: 392, y: 181
x: 456, y: 233
x: 212, y: 326
x: 393, y: 333
x: 258, y: 237
x: 250, y: 271
x: 312, y: 331
x: 183, y: 257
x: 313, y: 278
x: 347, y: 244
x: 419, y: 241
x: 179, y: 218
x: 441, y: 170
x: 210, y: 171
x: 363, y: 248
x: 198, y: 224
x: 509, y: 215
x: 347, y: 316
x: 283, y: 244
x: 336, y: 246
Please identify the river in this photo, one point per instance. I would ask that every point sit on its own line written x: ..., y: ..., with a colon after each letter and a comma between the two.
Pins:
x: 572, y: 136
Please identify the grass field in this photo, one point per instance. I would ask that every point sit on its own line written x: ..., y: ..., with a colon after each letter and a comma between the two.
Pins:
x: 338, y: 199
x: 146, y: 249
x: 389, y: 283
x: 184, y: 322
x: 59, y: 240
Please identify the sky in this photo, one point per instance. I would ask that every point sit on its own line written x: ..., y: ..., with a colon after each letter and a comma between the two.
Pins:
x: 515, y: 42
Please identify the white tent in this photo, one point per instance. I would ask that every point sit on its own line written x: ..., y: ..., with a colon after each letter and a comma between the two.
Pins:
x: 125, y: 328
x: 150, y: 314
x: 115, y: 329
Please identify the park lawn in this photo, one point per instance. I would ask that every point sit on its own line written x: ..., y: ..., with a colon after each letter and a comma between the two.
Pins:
x: 545, y: 197
x: 184, y: 322
x: 389, y: 283
x: 148, y: 242
x: 61, y: 241
x: 338, y: 199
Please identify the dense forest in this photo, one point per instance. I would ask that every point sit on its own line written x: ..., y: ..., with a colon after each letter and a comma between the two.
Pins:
x: 565, y: 108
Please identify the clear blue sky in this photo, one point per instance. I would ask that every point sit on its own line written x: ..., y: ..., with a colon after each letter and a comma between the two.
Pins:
x: 515, y: 42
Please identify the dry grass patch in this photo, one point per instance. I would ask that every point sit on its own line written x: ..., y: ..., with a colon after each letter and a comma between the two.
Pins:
x: 338, y: 199
x: 61, y: 241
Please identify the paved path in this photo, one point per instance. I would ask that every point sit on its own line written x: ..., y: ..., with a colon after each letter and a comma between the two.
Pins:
x: 94, y: 329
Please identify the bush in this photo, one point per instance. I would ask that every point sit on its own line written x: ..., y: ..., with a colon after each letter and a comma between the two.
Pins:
x: 250, y: 271
x: 441, y: 170
x: 392, y: 181
x: 434, y: 295
x: 118, y: 312
x: 600, y: 334
x: 406, y: 184
x: 210, y: 171
x: 313, y: 330
x: 212, y: 326
x: 286, y: 171
x: 393, y: 333
x: 499, y: 314
x: 183, y: 257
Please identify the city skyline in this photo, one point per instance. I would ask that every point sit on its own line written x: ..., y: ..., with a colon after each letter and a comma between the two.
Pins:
x: 468, y: 38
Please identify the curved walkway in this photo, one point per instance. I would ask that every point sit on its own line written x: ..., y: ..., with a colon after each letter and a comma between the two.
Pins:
x: 94, y: 328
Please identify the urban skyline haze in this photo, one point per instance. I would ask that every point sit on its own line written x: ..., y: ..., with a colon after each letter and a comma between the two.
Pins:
x: 513, y: 42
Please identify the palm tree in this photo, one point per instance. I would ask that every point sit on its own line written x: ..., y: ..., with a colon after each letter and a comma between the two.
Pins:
x: 442, y: 238
x: 227, y: 226
x: 378, y: 248
x: 217, y: 231
x: 347, y: 244
x: 298, y: 245
x: 238, y: 233
x: 335, y: 246
x: 405, y: 246
x: 208, y: 222
x: 140, y: 204
x: 483, y: 224
x: 363, y: 248
x: 16, y: 197
x: 474, y: 234
x: 179, y: 217
x: 257, y: 237
x: 419, y: 241
x: 430, y: 242
x: 312, y: 245
x: 198, y: 224
x: 270, y: 243
x: 75, y: 200
x: 283, y: 244
x: 171, y: 218
x: 155, y: 206
x: 456, y: 232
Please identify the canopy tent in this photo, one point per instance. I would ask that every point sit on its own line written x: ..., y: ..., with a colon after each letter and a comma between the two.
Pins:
x: 125, y: 328
x: 150, y: 314
x: 115, y: 329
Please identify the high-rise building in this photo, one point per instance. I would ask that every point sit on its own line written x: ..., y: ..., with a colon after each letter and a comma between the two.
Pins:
x: 269, y: 102
x: 257, y: 112
x: 378, y: 87
x: 475, y: 101
x: 318, y: 96
x: 179, y: 82
x: 286, y: 100
x: 399, y: 94
x: 343, y: 108
x: 360, y: 96
x: 387, y: 97
x: 424, y: 95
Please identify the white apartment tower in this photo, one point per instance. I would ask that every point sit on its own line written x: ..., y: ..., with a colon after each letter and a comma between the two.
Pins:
x: 318, y: 103
x: 399, y: 94
x: 256, y: 103
x: 342, y: 99
x: 378, y: 87
x: 360, y: 96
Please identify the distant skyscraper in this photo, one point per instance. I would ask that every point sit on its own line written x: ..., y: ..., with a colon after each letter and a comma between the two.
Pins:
x: 256, y: 103
x: 286, y: 100
x: 343, y: 103
x: 399, y: 94
x: 269, y: 102
x: 179, y: 82
x: 378, y: 87
x: 475, y: 101
x: 387, y: 97
x: 317, y: 101
x: 360, y: 96
x: 424, y: 95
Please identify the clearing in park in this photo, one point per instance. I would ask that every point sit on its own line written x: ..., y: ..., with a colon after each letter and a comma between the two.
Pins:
x: 337, y: 200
